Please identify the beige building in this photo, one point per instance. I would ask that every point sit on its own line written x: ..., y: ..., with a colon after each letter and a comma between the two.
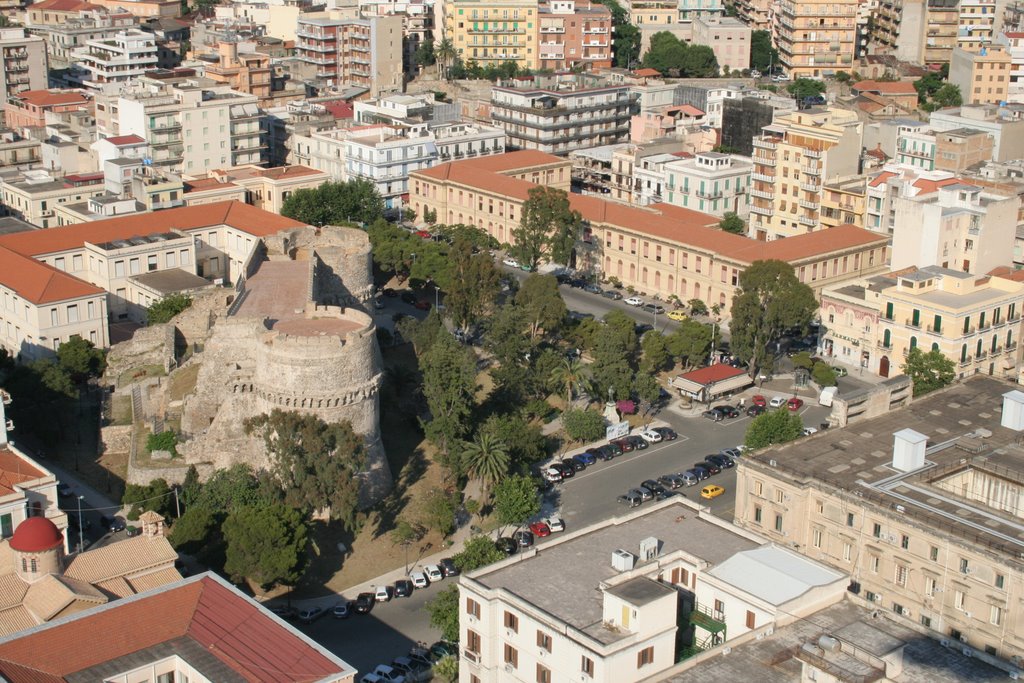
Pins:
x: 495, y: 31
x: 974, y: 321
x: 815, y: 38
x: 917, y: 505
x: 794, y: 158
x: 844, y: 202
x: 35, y: 195
x: 983, y: 75
x: 660, y: 249
x: 755, y: 13
x: 361, y: 53
x: 728, y: 37
x: 125, y: 57
x: 265, y: 188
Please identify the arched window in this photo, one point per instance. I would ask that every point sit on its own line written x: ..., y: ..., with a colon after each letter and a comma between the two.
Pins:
x: 963, y: 353
x: 935, y: 346
x: 913, y: 343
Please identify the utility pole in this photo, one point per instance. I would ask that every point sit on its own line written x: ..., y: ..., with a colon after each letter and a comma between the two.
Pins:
x: 81, y: 523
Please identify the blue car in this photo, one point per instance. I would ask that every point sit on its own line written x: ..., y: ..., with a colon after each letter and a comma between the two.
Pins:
x: 586, y: 458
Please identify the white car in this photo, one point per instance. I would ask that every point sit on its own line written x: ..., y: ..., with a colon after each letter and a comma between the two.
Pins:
x: 419, y: 579
x: 777, y: 401
x: 635, y: 301
x: 810, y: 430
x: 650, y: 436
x: 556, y: 524
x: 510, y: 262
x: 389, y: 674
x: 433, y: 572
x: 383, y: 593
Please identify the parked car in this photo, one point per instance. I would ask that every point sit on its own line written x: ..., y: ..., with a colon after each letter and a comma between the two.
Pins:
x: 567, y: 467
x: 723, y: 461
x: 667, y: 433
x: 389, y: 674
x: 759, y: 400
x: 593, y: 289
x: 364, y: 603
x: 690, y: 477
x: 652, y: 486
x: 382, y: 593
x: 642, y: 328
x: 645, y: 493
x: 343, y: 610
x: 577, y: 283
x: 586, y: 458
x: 673, y: 481
x: 635, y: 301
x: 727, y: 410
x: 657, y: 309
x: 506, y: 545
x: 701, y: 471
x: 777, y: 401
x: 713, y: 415
x: 624, y: 445
x: 413, y: 671
x: 733, y: 453
x: 839, y: 370
x: 540, y: 529
x: 677, y: 315
x: 419, y: 579
x: 524, y: 538
x: 388, y: 292
x: 710, y: 466
x: 448, y: 567
x: 711, y: 491
x: 556, y: 524
x: 615, y: 448
x: 611, y: 294
x: 442, y: 649
x: 638, y: 443
x: 604, y: 453
x: 577, y: 464
x: 650, y: 436
x: 755, y: 410
x: 422, y: 305
x: 284, y: 611
x: 311, y: 614
x: 510, y: 262
x: 433, y: 573
x: 631, y: 498
x: 403, y: 588
x: 552, y: 474
x: 810, y: 430
x: 795, y: 403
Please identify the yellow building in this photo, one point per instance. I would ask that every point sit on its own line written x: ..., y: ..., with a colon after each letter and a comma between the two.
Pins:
x: 975, y: 321
x: 844, y: 202
x: 661, y: 250
x: 793, y: 160
x: 494, y: 32
x: 816, y: 38
x: 983, y: 75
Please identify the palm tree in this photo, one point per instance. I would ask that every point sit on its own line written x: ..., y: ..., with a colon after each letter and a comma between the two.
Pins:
x: 446, y: 55
x: 569, y: 373
x: 486, y: 458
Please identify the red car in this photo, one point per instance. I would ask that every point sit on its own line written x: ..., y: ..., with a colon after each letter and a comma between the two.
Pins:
x: 795, y: 403
x: 422, y: 305
x: 759, y: 400
x: 424, y: 234
x: 540, y: 529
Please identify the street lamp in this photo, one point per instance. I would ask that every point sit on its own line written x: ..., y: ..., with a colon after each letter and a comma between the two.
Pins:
x: 81, y: 523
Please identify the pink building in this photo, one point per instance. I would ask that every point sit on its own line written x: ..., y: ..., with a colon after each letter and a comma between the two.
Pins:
x: 29, y: 108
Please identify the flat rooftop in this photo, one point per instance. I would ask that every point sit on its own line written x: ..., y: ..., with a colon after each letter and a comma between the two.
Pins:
x: 171, y: 281
x: 773, y: 659
x: 573, y: 567
x: 962, y: 426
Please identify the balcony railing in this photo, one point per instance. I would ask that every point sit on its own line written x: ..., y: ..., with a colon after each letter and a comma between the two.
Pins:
x: 808, y: 221
x: 709, y: 194
x: 966, y: 360
x: 813, y: 206
x: 765, y: 144
x: 909, y: 322
x: 763, y: 177
x: 760, y: 210
x: 764, y: 161
x: 809, y: 187
x: 810, y: 170
x: 761, y: 193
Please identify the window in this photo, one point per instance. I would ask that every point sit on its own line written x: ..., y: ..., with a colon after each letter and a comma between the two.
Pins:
x: 816, y: 538
x: 995, y: 616
x: 900, y: 576
x: 73, y: 313
x: 587, y: 665
x: 958, y: 600
x: 875, y: 563
x: 6, y: 526
x: 877, y: 530
x: 54, y: 320
x: 964, y: 566
x: 779, y: 495
x: 473, y: 641
x: 645, y: 657
x: 543, y: 641
x: 905, y: 542
x: 511, y: 622
x: 511, y: 656
x: 473, y: 607
x: 849, y: 519
x: 750, y: 619
x: 681, y: 576
x: 1000, y: 580
x: 778, y: 523
x: 758, y: 488
x: 926, y: 621
x: 929, y: 586
x: 543, y: 674
x: 757, y: 514
x: 933, y: 554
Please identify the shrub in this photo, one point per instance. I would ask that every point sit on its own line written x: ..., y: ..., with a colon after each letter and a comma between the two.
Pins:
x: 162, y: 441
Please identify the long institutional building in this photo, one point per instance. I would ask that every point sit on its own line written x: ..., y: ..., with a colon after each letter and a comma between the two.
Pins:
x: 658, y: 249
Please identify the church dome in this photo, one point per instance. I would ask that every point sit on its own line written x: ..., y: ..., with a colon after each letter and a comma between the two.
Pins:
x: 36, y: 534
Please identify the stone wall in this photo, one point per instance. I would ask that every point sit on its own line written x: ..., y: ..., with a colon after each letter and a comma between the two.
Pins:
x: 148, y: 346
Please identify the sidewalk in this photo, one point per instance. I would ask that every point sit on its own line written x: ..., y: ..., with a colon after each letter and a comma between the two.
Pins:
x: 94, y: 500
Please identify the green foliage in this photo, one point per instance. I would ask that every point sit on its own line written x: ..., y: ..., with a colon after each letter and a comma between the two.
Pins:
x: 947, y: 96
x: 406, y: 533
x: 162, y: 441
x: 193, y: 529
x: 81, y: 359
x: 506, y: 333
x: 163, y: 310
x: 542, y: 304
x: 424, y: 55
x: 190, y: 487
x: 655, y: 352
x: 438, y: 511
x: 265, y: 545
x: 772, y: 427
x: 447, y: 668
x: 762, y: 54
x: 731, y: 222
x: 156, y: 496
x: 823, y: 375
x: 356, y: 200
x: 690, y: 343
x: 805, y: 87
x: 929, y: 371
x: 583, y: 425
x: 449, y: 386
x: 430, y: 215
x: 570, y: 375
x: 485, y: 458
x: 843, y: 77
x: 547, y: 226
x: 646, y: 388
x: 515, y: 499
x: 471, y: 290
x: 673, y: 57
x: 317, y: 463
x: 444, y: 613
x: 803, y: 360
x: 423, y: 333
x: 770, y: 300
x: 927, y: 85
x: 697, y: 307
x: 479, y: 551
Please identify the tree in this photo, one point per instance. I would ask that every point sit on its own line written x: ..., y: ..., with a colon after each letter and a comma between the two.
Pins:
x: 947, y: 96
x: 424, y: 55
x: 479, y: 551
x: 393, y: 248
x: 473, y: 286
x: 690, y: 343
x: 929, y: 371
x: 823, y: 375
x: 542, y: 304
x: 770, y: 300
x: 356, y: 200
x: 486, y: 459
x: 583, y: 425
x: 656, y: 355
x: 438, y: 511
x: 697, y: 307
x: 444, y: 613
x: 429, y: 216
x: 192, y: 530
x: 666, y: 54
x: 162, y: 310
x: 627, y: 45
x: 843, y: 77
x: 405, y: 534
x: 525, y: 442
x: 505, y: 334
x: 446, y: 54
x: 699, y: 61
x: 927, y: 85
x: 772, y: 427
x: 265, y: 544
x: 317, y: 463
x: 449, y: 386
x: 156, y: 496
x: 803, y: 360
x: 447, y: 668
x: 805, y: 87
x: 762, y: 55
x: 548, y: 225
x: 569, y: 374
x: 515, y: 499
x: 731, y: 222
x: 81, y: 359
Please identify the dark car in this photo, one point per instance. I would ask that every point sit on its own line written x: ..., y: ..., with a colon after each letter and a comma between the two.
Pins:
x: 638, y: 443
x: 615, y: 448
x: 585, y: 458
x: 442, y: 649
x: 727, y: 410
x: 654, y: 308
x: 113, y: 523
x: 403, y: 588
x: 593, y: 289
x: 577, y: 464
x: 667, y: 433
x: 409, y: 298
x: 653, y: 486
x: 631, y: 498
x: 448, y: 567
x: 710, y: 466
x: 506, y: 545
x: 563, y: 279
x: 388, y: 292
x: 523, y: 538
x: 713, y: 415
x: 567, y: 468
x: 611, y: 294
x: 720, y: 459
x: 343, y: 610
x: 364, y: 603
x: 623, y: 445
x: 701, y: 470
x: 577, y: 283
x: 604, y: 452
x: 64, y: 491
x: 755, y: 410
x: 673, y: 481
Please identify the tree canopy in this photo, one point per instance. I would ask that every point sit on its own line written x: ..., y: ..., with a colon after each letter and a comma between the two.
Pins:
x: 444, y: 613
x: 265, y: 544
x: 162, y: 310
x: 548, y: 226
x: 731, y: 222
x: 356, y: 200
x: 515, y: 499
x: 673, y: 57
x: 762, y: 55
x: 81, y: 359
x: 449, y: 386
x: 583, y: 425
x: 478, y: 551
x: 805, y: 87
x: 542, y: 304
x: 772, y: 427
x: 929, y: 371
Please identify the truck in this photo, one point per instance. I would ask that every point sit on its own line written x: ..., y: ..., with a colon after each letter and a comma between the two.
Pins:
x: 826, y: 396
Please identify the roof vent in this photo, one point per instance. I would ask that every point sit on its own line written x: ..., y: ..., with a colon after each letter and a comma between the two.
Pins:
x: 623, y: 560
x: 649, y: 548
x: 1013, y: 410
x: 908, y: 450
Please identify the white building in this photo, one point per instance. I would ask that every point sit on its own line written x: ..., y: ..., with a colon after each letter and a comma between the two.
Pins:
x: 1005, y: 124
x: 711, y: 182
x: 607, y: 603
x: 1013, y: 41
x: 125, y: 57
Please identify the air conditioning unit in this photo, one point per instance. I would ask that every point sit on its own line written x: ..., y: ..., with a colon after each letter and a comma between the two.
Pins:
x: 509, y: 668
x: 968, y: 615
x: 968, y: 652
x: 905, y: 612
x: 726, y: 650
x: 878, y: 598
x: 944, y: 642
x: 963, y: 638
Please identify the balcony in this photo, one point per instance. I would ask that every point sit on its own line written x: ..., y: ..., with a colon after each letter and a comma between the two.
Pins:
x: 812, y: 153
x: 763, y: 177
x: 809, y: 187
x: 909, y: 322
x: 808, y: 221
x: 813, y: 206
x: 765, y: 144
x: 984, y: 325
x: 1012, y: 346
x: 982, y: 356
x: 810, y: 170
x: 552, y: 29
x: 761, y: 194
x: 597, y: 29
x: 966, y: 360
x: 764, y: 161
x: 762, y: 211
x: 709, y: 194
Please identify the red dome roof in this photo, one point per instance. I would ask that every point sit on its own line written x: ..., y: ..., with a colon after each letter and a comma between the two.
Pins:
x: 36, y: 534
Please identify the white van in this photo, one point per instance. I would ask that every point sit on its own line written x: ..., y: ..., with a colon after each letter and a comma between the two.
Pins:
x: 826, y: 396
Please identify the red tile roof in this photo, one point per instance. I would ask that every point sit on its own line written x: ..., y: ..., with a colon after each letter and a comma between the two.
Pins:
x: 890, y: 88
x: 225, y: 624
x: 63, y: 6
x: 646, y: 73
x: 928, y: 186
x: 51, y: 98
x: 39, y: 283
x: 713, y: 373
x: 15, y: 470
x: 121, y: 140
x: 881, y: 178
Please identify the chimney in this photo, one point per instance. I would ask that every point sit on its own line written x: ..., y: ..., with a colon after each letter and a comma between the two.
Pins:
x: 1013, y: 410
x: 908, y: 450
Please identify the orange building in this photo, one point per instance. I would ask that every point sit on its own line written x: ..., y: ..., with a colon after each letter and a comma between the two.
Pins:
x: 573, y: 33
x: 247, y: 72
x: 29, y: 108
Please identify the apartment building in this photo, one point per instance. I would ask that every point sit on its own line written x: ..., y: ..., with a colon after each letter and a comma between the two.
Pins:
x: 728, y: 37
x: 982, y: 74
x: 977, y: 21
x: 29, y: 108
x: 495, y: 31
x: 558, y: 114
x: 191, y: 125
x: 1004, y: 124
x: 24, y: 62
x: 1013, y: 43
x: 815, y: 38
x: 920, y: 520
x: 244, y: 72
x: 574, y: 34
x: 844, y: 202
x: 660, y: 249
x: 794, y: 158
x: 363, y: 53
x: 285, y: 123
x: 66, y: 35
x: 951, y: 150
x: 264, y: 188
x: 710, y: 182
x: 649, y: 589
x: 757, y: 14
x: 124, y: 58
x: 33, y: 196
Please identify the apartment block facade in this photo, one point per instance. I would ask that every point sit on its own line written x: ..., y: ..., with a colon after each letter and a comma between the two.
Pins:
x: 982, y: 74
x: 121, y: 59
x: 728, y: 37
x: 815, y: 38
x: 353, y: 52
x: 844, y: 202
x: 24, y: 62
x: 574, y: 33
x: 711, y: 182
x: 793, y: 159
x: 66, y: 36
x: 35, y: 195
x: 495, y: 31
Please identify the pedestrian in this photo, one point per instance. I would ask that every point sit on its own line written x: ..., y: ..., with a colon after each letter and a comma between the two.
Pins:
x: 742, y: 401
